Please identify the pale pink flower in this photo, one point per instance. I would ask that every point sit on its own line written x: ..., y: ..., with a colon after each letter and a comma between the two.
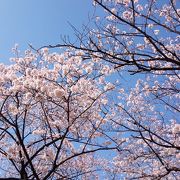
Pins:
x: 176, y: 129
x: 28, y: 96
x: 13, y: 109
x: 109, y: 86
x: 140, y: 46
x: 58, y: 93
x: 139, y: 7
x: 74, y: 88
x: 127, y: 15
x: 39, y: 131
x: 104, y: 101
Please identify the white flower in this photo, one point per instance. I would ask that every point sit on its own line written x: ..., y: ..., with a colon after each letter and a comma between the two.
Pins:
x: 140, y: 46
x: 127, y: 15
x: 28, y: 95
x: 104, y: 101
x: 58, y: 93
x: 45, y: 50
x: 57, y: 67
x: 178, y: 155
x: 13, y: 109
x: 28, y: 71
x: 65, y: 69
x: 113, y: 10
x: 39, y: 131
x: 78, y: 60
x: 43, y: 88
x: 139, y: 7
x: 101, y: 80
x: 178, y: 12
x: 146, y: 40
x: 74, y: 88
x: 176, y: 129
x: 1, y: 79
x: 124, y: 2
x: 88, y: 69
x: 156, y: 32
x: 79, y: 53
x: 108, y: 86
x: 105, y: 70
x: 121, y: 90
x: 97, y: 18
x: 150, y: 25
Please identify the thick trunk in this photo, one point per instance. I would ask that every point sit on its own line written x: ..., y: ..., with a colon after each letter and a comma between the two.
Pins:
x: 23, y: 174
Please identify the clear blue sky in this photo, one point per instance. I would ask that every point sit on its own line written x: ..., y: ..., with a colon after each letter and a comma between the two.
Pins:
x: 39, y: 22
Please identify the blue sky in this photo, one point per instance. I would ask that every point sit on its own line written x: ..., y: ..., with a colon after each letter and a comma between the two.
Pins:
x: 39, y: 22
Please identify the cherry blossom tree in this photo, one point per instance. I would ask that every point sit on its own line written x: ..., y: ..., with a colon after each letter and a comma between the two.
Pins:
x: 140, y: 37
x: 149, y: 118
x: 61, y: 118
x: 51, y: 116
x: 69, y: 115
